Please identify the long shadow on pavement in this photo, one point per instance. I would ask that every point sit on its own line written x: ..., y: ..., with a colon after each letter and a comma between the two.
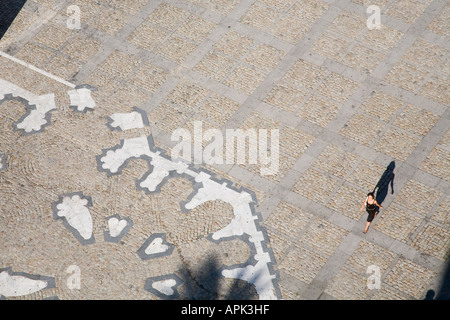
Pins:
x: 382, y: 186
x: 203, y: 283
x: 444, y: 290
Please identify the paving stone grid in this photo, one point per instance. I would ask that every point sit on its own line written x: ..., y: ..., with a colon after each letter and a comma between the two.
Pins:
x: 356, y: 109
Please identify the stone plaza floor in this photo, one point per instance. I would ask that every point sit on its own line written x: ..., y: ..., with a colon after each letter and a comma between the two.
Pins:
x: 93, y: 206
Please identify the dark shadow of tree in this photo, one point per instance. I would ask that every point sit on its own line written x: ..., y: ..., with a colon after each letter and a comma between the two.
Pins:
x: 9, y: 9
x: 204, y: 283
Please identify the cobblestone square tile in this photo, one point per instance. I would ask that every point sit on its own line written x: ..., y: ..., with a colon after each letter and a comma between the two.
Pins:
x: 445, y: 140
x: 323, y: 236
x: 215, y: 66
x: 119, y: 64
x: 234, y: 44
x: 260, y: 16
x: 437, y: 88
x: 445, y: 66
x: 349, y: 25
x: 286, y: 97
x: 315, y: 185
x: 397, y: 223
x: 304, y: 75
x: 244, y: 79
x: 397, y: 143
x: 406, y: 76
x: 433, y: 240
x: 189, y: 126
x: 349, y: 284
x: 424, y: 197
x: 366, y: 175
x: 176, y: 48
x: 441, y: 214
x: 425, y: 54
x: 383, y: 39
x: 188, y: 95
x: 264, y: 57
x: 34, y: 54
x: 331, y: 46
x: 302, y: 263
x: 388, y: 293
x: 128, y: 95
x: 53, y: 35
x: 218, y: 108
x: 65, y: 67
x: 110, y: 20
x: 288, y: 220
x: 415, y: 120
x: 381, y: 106
x: 362, y: 129
x: 290, y: 28
x: 335, y: 161
x: 406, y: 10
x: 256, y: 120
x: 318, y: 110
x: 368, y: 254
x: 167, y: 16
x: 167, y: 117
x: 147, y: 36
x: 362, y: 58
x: 128, y: 6
x: 106, y: 84
x: 195, y: 28
x: 441, y: 24
x: 149, y: 77
x: 294, y: 141
x: 280, y: 5
x: 82, y: 48
x: 337, y: 87
x: 347, y: 201
x: 310, y: 10
x: 285, y: 163
x: 409, y: 277
x: 221, y: 6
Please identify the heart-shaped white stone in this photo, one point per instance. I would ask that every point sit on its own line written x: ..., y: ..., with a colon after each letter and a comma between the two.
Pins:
x: 156, y: 246
x: 165, y: 286
x: 116, y: 226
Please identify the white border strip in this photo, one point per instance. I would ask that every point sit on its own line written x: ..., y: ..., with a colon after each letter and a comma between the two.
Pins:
x: 45, y: 73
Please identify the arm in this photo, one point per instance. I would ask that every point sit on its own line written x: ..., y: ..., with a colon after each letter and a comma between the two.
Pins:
x: 362, y: 207
x: 381, y: 207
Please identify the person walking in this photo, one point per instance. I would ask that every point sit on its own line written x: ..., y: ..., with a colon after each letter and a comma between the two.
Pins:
x: 371, y: 207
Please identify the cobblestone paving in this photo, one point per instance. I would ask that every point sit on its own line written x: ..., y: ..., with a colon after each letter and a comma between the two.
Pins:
x: 357, y: 110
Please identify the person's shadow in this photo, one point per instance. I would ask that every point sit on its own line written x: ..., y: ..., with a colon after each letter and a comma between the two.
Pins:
x: 382, y: 186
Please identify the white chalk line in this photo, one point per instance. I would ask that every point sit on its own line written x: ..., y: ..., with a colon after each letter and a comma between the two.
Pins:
x: 34, y: 68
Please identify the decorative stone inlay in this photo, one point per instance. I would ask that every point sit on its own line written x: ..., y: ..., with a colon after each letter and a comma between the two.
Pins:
x: 81, y: 99
x: 164, y: 286
x: 38, y: 107
x: 72, y: 208
x: 245, y: 223
x: 14, y: 284
x: 117, y: 228
x: 155, y: 246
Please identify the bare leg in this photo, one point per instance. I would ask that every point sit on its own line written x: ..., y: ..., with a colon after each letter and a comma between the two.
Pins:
x: 367, y: 227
